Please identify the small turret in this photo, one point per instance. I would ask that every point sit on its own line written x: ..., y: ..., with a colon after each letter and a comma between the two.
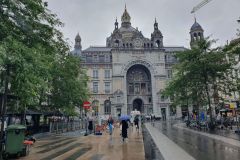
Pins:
x: 157, y: 36
x: 78, y: 42
x: 196, y: 33
x: 116, y: 24
x: 77, y: 47
x: 126, y: 19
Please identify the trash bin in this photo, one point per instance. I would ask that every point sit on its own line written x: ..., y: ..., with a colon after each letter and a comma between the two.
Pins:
x: 14, y: 140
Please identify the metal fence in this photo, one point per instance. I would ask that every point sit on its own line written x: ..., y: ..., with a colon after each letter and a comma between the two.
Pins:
x: 63, y: 126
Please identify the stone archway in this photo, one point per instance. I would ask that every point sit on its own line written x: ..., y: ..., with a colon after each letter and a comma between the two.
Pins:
x: 138, y: 105
x: 139, y: 87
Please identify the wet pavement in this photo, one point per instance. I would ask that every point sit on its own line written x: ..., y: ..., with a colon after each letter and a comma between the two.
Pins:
x: 91, y: 147
x: 198, y: 146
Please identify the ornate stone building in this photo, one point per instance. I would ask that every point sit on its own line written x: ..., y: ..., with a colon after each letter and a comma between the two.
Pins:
x: 131, y: 71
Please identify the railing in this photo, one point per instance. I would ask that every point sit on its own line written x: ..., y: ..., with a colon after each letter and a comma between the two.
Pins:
x: 62, y: 126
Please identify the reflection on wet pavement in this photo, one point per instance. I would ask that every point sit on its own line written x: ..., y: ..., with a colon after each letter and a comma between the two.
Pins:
x: 198, y: 146
x: 92, y: 147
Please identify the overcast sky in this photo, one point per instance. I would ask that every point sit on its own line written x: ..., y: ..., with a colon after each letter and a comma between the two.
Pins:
x: 94, y: 19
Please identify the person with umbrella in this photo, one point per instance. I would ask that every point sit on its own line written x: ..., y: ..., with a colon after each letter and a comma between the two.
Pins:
x: 124, y: 126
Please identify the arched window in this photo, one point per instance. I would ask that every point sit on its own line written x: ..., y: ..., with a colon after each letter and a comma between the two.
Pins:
x: 127, y: 45
x: 107, y: 107
x: 116, y: 43
x: 199, y: 35
x: 151, y: 45
x: 130, y: 45
x: 195, y: 36
x: 157, y: 43
x: 148, y: 45
x: 123, y: 45
x: 144, y: 45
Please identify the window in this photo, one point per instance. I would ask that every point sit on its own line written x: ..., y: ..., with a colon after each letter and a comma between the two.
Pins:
x: 95, y: 58
x: 118, y: 99
x: 107, y: 58
x: 107, y: 87
x: 107, y: 66
x: 130, y: 88
x: 137, y: 88
x: 101, y: 58
x: 89, y: 59
x: 107, y: 74
x: 107, y: 107
x: 162, y: 98
x: 95, y: 87
x: 169, y: 73
x: 95, y: 74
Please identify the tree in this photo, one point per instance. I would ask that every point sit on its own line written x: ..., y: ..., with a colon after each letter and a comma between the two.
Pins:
x: 31, y: 49
x: 199, y: 72
x: 69, y: 84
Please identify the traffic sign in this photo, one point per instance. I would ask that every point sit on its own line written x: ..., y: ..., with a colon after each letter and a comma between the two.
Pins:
x: 86, y: 105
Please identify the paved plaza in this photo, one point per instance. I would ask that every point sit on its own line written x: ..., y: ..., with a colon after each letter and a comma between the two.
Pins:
x: 91, y: 147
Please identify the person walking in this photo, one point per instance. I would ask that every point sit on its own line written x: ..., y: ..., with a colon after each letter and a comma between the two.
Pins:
x: 110, y: 124
x: 136, y: 123
x: 90, y: 125
x: 124, y: 129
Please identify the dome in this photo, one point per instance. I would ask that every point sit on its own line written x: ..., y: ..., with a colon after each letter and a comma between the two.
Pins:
x: 78, y: 38
x: 196, y: 26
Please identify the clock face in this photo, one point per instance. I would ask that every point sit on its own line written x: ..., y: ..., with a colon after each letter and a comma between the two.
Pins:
x: 137, y: 43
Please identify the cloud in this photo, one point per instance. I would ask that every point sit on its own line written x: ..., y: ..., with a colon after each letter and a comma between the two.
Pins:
x: 94, y: 19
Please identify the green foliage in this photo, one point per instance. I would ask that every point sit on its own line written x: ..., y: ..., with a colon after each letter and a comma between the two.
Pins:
x: 34, y: 49
x: 200, y: 71
x: 69, y: 85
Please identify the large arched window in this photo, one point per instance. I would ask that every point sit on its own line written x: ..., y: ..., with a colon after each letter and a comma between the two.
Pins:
x: 138, y: 80
x: 107, y: 107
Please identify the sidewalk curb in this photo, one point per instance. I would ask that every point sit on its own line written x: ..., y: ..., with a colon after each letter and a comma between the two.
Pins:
x: 213, y: 136
x: 166, y: 146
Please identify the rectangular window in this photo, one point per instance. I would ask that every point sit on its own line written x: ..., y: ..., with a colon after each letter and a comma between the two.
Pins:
x: 107, y: 87
x: 95, y: 58
x: 130, y: 88
x: 169, y: 73
x: 162, y: 98
x: 89, y: 59
x: 107, y: 74
x: 107, y: 58
x: 101, y: 58
x: 137, y: 88
x: 95, y: 87
x: 95, y: 74
x: 118, y: 99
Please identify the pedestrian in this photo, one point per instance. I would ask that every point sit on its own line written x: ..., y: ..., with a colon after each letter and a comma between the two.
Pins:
x: 110, y: 124
x: 136, y: 123
x: 86, y: 124
x: 90, y: 125
x: 124, y: 129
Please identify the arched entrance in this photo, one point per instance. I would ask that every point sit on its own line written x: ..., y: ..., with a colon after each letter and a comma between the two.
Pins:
x: 139, y: 89
x: 138, y: 105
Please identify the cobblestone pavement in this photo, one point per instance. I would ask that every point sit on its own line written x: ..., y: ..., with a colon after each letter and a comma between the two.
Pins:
x: 91, y: 147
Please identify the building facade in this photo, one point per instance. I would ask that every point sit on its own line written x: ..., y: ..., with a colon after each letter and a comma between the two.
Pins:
x: 131, y: 71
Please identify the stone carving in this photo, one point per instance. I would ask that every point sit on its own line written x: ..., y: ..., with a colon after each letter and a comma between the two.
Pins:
x: 141, y: 62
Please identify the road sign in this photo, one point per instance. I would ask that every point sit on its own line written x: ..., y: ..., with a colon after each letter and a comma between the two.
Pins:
x: 86, y: 105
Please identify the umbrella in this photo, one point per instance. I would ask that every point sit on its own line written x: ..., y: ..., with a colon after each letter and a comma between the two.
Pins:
x: 124, y: 117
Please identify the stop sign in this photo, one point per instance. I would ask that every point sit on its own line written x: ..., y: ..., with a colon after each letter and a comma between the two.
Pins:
x: 86, y: 105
